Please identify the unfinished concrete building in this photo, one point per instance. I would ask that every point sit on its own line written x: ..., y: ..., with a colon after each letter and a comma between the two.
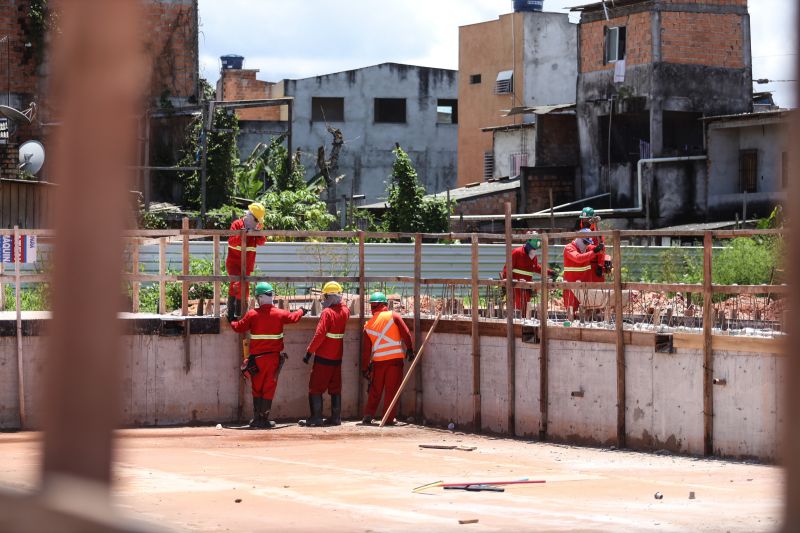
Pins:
x: 648, y: 71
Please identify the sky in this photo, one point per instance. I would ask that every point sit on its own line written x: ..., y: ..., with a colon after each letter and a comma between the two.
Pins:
x: 304, y: 38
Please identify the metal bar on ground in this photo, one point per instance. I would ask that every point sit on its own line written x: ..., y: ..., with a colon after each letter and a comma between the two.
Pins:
x: 417, y: 328
x: 708, y: 353
x: 510, y: 310
x: 414, y: 363
x: 544, y: 380
x: 476, y: 339
x: 620, y: 340
x: 185, y: 269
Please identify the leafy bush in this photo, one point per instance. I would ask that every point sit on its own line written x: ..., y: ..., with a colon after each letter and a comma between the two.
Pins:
x: 34, y: 298
x: 300, y: 209
x: 747, y: 262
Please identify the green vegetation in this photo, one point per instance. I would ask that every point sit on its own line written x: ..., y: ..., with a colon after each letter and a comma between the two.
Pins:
x: 33, y: 298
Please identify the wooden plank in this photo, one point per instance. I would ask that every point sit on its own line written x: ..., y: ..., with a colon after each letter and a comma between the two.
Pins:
x: 135, y: 270
x: 243, y: 292
x: 185, y: 270
x: 417, y: 328
x: 708, y: 349
x: 217, y: 272
x: 2, y: 291
x: 620, y: 339
x: 544, y: 372
x: 362, y: 295
x: 510, y: 339
x: 750, y: 289
x: 476, y: 338
x: 17, y: 255
x: 162, y: 270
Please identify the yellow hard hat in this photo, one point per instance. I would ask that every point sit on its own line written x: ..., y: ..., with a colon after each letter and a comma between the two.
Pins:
x: 332, y: 288
x: 258, y: 211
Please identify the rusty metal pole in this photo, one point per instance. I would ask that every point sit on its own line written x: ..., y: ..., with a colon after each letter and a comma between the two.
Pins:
x: 511, y: 348
x: 476, y: 339
x: 544, y: 373
x: 97, y: 75
x: 362, y: 300
x: 418, y: 394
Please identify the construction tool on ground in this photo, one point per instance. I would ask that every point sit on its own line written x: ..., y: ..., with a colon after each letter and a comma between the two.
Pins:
x: 448, y: 447
x: 410, y: 371
x: 478, y: 488
x: 523, y: 481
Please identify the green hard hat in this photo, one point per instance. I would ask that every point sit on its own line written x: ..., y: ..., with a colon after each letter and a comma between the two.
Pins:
x: 378, y: 297
x: 262, y: 287
x: 587, y: 212
x: 534, y: 242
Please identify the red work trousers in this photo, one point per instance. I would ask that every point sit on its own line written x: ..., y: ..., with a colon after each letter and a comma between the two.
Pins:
x: 386, y: 376
x: 570, y: 301
x: 265, y: 382
x: 233, y: 264
x: 521, y: 298
x: 325, y: 377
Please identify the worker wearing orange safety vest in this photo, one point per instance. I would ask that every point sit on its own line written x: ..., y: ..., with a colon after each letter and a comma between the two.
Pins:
x: 252, y: 220
x: 524, y: 264
x: 383, y: 339
x: 265, y: 324
x: 579, y: 257
x: 328, y: 348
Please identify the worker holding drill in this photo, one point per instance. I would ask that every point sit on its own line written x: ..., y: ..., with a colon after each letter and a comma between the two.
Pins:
x: 327, y: 348
x: 524, y: 264
x: 265, y: 324
x: 253, y: 219
x: 580, y: 257
x: 382, y: 360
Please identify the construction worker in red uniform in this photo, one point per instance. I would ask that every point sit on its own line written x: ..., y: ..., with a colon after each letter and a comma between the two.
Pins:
x: 252, y: 220
x: 382, y: 363
x: 265, y: 324
x: 579, y: 256
x: 601, y: 264
x: 327, y: 347
x: 524, y: 264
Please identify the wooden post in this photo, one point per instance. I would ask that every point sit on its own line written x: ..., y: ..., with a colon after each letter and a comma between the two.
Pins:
x: 552, y: 216
x: 135, y: 270
x: 16, y: 251
x: 362, y: 299
x: 708, y: 354
x: 162, y: 271
x: 2, y: 292
x: 217, y: 270
x: 243, y: 292
x: 544, y: 394
x: 476, y: 340
x: 620, y: 338
x: 185, y: 259
x: 511, y: 348
x: 417, y: 326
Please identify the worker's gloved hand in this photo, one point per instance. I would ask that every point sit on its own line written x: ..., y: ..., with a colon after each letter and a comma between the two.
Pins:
x: 307, y: 358
x: 304, y: 310
x: 599, y: 248
x: 607, y: 265
x: 598, y: 270
x: 553, y: 275
x: 409, y: 354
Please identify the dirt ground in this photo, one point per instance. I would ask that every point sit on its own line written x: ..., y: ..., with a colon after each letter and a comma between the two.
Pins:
x: 357, y: 478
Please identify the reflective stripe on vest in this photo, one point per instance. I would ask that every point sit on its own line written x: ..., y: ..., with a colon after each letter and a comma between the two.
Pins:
x: 578, y: 269
x: 267, y: 337
x: 384, y: 347
x: 335, y: 335
x: 239, y: 248
x: 522, y: 272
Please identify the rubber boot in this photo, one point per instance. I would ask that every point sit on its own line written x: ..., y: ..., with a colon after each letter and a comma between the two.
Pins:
x: 367, y: 420
x: 336, y: 411
x: 256, y: 422
x: 266, y: 407
x: 231, y: 308
x: 315, y: 401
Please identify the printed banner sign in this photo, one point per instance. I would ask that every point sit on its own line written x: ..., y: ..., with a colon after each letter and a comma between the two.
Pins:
x: 27, y: 248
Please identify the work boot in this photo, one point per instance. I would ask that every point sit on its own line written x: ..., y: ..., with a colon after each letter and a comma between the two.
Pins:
x: 315, y: 402
x: 231, y: 308
x: 367, y: 420
x: 336, y: 411
x: 256, y: 422
x: 266, y: 407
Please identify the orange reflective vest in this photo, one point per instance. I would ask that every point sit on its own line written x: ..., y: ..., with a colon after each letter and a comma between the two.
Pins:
x: 385, y: 337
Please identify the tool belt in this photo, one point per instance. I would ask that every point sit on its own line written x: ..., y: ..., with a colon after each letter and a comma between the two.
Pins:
x: 249, y: 365
x: 327, y: 362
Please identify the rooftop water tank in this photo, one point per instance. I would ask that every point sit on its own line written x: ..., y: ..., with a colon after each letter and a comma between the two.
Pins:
x: 528, y: 5
x: 232, y: 61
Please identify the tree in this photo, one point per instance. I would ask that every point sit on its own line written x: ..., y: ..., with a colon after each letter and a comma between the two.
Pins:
x: 408, y: 211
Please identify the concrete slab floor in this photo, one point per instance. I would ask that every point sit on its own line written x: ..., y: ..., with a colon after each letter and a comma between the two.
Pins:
x: 356, y: 478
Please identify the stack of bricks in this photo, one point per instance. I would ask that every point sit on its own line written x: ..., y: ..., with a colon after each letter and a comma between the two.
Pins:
x: 241, y: 84
x: 490, y: 204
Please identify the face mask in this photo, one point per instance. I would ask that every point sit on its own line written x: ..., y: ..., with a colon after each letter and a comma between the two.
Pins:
x: 264, y: 299
x: 331, y: 299
x: 532, y: 254
x: 581, y: 245
x: 250, y: 221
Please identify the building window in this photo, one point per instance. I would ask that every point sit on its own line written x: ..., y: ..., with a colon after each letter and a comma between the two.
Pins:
x: 517, y: 162
x: 784, y: 169
x: 488, y: 165
x: 390, y: 110
x: 447, y: 112
x: 326, y: 109
x: 615, y: 44
x: 474, y: 79
x: 505, y: 82
x: 748, y: 170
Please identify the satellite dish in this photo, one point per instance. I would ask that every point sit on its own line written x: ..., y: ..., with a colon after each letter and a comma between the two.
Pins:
x: 14, y: 114
x: 31, y: 157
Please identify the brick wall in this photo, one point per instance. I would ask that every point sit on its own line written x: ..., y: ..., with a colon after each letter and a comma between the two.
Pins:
x: 539, y: 181
x: 171, y: 41
x: 639, y: 46
x: 235, y: 84
x: 14, y: 23
x: 9, y: 160
x: 490, y: 204
x: 702, y: 39
x: 557, y: 140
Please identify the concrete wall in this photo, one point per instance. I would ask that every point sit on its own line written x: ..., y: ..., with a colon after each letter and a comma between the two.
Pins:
x: 366, y: 158
x: 550, y: 64
x: 509, y: 142
x: 664, y: 408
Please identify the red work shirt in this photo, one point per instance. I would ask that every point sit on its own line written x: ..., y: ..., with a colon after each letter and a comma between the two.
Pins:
x: 522, y: 266
x: 366, y: 342
x: 577, y: 265
x: 235, y: 245
x: 328, y: 341
x: 265, y: 325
